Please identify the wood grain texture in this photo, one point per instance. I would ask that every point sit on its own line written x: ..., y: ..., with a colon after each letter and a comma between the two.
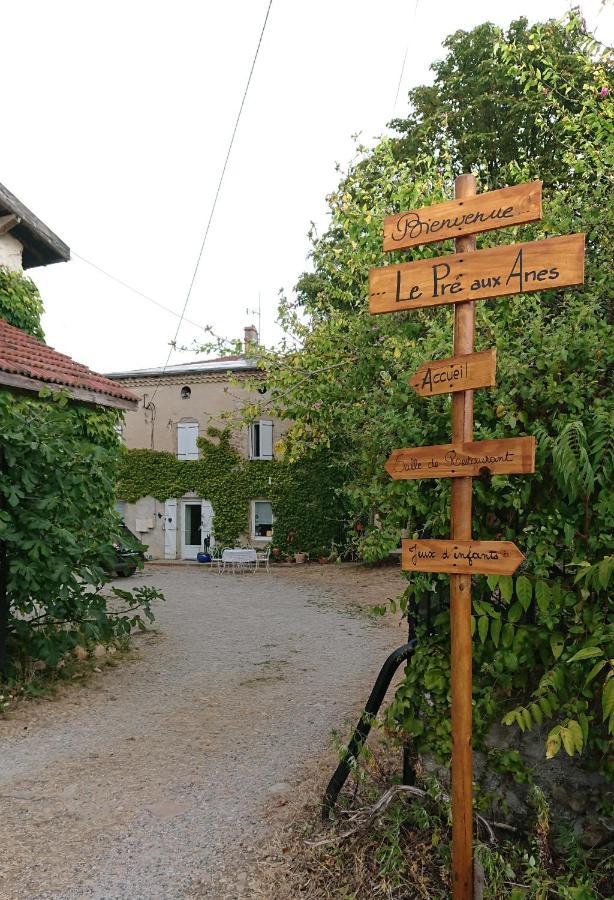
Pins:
x: 469, y: 215
x: 459, y: 373
x: 481, y: 275
x: 461, y: 557
x: 503, y: 456
x: 461, y: 648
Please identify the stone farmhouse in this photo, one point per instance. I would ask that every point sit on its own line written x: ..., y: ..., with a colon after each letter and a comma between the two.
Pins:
x: 177, y: 405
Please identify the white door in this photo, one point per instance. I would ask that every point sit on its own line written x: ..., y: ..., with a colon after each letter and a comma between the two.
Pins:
x: 207, y: 523
x: 191, y: 528
x: 170, y: 529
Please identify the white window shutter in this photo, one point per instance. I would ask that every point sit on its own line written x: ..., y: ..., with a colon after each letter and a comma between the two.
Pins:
x: 170, y: 529
x: 266, y: 440
x: 187, y: 435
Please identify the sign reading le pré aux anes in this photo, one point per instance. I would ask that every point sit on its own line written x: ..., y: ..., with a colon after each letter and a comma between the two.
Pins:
x: 479, y: 275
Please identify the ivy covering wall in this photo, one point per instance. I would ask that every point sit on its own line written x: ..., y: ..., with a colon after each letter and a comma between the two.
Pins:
x: 307, y: 510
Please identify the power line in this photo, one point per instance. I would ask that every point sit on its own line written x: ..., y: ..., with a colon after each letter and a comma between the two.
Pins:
x: 217, y: 192
x: 134, y: 290
x: 396, y: 96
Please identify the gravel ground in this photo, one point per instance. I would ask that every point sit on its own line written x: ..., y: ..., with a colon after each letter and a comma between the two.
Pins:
x: 160, y: 775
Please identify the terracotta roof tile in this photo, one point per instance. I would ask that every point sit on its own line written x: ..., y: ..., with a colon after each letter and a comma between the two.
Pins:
x: 22, y: 354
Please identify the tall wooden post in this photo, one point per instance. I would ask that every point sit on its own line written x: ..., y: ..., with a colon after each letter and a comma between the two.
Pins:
x: 462, y: 278
x: 460, y: 603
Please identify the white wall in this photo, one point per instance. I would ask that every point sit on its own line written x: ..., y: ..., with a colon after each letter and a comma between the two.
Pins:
x: 10, y: 252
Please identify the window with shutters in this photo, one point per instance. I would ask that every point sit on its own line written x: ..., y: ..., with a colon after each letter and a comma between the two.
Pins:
x: 261, y: 439
x: 262, y: 519
x: 187, y: 435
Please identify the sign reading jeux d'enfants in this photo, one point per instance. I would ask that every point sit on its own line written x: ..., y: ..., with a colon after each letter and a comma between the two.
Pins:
x: 461, y: 557
x: 480, y: 275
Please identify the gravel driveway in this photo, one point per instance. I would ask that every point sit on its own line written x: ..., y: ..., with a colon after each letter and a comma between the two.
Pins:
x: 155, y: 776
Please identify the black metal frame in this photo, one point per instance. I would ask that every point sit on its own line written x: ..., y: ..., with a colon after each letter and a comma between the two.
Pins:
x: 361, y: 732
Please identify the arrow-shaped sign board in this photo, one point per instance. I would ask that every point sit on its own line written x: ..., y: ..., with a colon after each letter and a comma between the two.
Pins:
x: 459, y: 373
x: 479, y: 275
x: 461, y: 557
x: 482, y: 212
x: 504, y: 456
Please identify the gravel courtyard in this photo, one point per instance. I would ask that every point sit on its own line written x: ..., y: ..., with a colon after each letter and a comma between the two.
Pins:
x: 161, y: 774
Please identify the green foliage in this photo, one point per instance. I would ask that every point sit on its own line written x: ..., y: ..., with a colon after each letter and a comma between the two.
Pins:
x: 308, y: 513
x: 57, y: 526
x: 20, y: 302
x: 501, y: 99
x: 346, y: 386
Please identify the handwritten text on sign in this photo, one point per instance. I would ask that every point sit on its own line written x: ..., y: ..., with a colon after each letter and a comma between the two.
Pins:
x: 459, y: 373
x: 484, y: 212
x: 461, y: 557
x: 504, y: 456
x: 481, y: 275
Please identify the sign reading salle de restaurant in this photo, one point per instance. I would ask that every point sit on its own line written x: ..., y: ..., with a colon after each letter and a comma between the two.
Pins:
x: 478, y: 275
x: 501, y: 456
x: 454, y: 218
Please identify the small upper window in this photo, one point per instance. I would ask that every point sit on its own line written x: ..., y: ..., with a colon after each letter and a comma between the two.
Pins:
x: 261, y: 440
x: 187, y: 440
x: 186, y: 393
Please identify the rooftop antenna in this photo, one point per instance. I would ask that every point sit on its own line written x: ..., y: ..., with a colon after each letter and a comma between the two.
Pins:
x: 257, y: 312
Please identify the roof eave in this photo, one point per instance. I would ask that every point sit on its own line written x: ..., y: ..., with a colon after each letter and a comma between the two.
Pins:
x: 41, y: 246
x: 81, y: 395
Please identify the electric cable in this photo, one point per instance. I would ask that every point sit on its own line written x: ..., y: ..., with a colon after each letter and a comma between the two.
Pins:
x: 134, y: 290
x: 396, y: 96
x: 216, y: 196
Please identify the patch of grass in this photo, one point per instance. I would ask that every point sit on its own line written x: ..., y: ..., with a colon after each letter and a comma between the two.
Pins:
x: 37, y: 682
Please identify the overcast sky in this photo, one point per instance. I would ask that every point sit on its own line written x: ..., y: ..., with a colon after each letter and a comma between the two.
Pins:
x: 116, y: 118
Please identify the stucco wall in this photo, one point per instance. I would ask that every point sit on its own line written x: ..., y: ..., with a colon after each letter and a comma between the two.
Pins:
x: 153, y: 425
x: 10, y: 252
x: 145, y: 510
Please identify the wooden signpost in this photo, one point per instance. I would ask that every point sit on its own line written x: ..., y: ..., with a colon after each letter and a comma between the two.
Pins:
x: 460, y: 279
x: 482, y: 212
x: 459, y: 373
x: 468, y: 557
x: 505, y: 456
x: 495, y: 272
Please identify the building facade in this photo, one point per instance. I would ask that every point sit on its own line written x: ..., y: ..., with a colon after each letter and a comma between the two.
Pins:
x: 177, y: 406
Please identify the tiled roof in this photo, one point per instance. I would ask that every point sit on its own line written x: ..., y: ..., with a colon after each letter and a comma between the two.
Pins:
x: 31, y: 360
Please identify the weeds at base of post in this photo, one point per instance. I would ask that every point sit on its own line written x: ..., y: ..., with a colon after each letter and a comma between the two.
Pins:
x: 390, y: 841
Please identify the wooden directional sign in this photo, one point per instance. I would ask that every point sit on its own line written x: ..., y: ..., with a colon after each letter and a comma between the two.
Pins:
x: 459, y: 373
x: 504, y: 456
x: 482, y: 212
x: 480, y: 275
x: 461, y: 557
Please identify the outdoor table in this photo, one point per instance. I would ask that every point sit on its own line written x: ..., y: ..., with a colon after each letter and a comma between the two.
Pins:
x: 239, y: 560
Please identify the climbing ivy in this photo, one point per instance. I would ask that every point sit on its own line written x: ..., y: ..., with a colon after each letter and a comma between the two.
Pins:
x: 308, y: 512
x: 20, y: 302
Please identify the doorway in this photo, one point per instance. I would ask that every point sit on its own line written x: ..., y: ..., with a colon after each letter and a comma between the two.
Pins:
x: 196, y: 525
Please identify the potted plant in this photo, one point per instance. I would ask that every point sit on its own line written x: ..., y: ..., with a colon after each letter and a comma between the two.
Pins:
x: 276, y: 552
x: 300, y: 557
